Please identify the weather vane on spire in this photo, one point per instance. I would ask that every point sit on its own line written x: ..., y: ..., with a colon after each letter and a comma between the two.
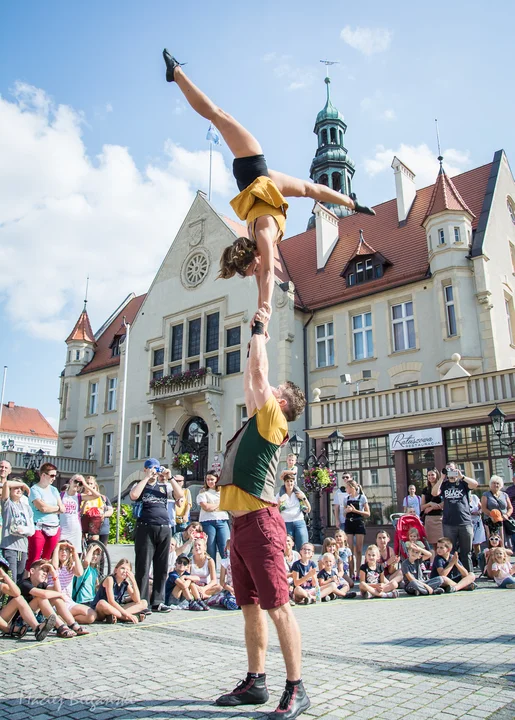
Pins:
x: 86, y: 297
x: 440, y: 158
x: 327, y: 63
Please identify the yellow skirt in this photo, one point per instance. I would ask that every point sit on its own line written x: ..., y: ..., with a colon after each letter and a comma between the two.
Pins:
x: 258, y: 199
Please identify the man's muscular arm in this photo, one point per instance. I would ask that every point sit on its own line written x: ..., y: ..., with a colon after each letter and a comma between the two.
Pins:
x: 258, y: 364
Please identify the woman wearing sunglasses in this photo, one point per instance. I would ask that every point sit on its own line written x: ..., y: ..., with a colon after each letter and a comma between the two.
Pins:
x: 46, y: 505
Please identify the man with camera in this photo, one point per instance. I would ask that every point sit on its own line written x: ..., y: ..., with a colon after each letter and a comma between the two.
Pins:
x: 455, y: 489
x: 152, y: 535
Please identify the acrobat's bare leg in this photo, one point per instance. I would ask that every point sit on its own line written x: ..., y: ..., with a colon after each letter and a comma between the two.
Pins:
x: 239, y: 140
x: 293, y: 187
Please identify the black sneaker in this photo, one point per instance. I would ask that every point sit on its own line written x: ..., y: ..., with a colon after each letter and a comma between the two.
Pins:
x: 171, y: 64
x: 145, y: 611
x: 438, y: 591
x: 361, y: 208
x: 350, y: 595
x: 251, y: 691
x: 161, y: 608
x: 293, y: 702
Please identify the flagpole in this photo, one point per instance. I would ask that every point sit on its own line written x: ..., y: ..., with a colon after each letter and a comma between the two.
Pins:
x: 122, y: 428
x: 210, y: 168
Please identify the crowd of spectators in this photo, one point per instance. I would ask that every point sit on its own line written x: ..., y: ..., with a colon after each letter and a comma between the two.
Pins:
x: 48, y: 582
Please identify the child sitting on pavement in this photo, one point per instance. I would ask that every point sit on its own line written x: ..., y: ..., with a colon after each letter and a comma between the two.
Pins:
x: 486, y: 559
x: 65, y: 560
x: 305, y: 580
x: 388, y: 559
x: 502, y: 569
x: 412, y: 569
x: 109, y: 600
x: 36, y: 592
x: 328, y: 577
x: 17, y: 605
x: 449, y: 566
x: 372, y: 582
x: 85, y: 587
x: 181, y: 592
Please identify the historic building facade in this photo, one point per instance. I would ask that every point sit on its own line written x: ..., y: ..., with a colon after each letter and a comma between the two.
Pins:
x: 399, y: 326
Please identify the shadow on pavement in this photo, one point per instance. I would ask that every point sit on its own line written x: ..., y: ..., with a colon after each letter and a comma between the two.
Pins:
x: 424, y: 641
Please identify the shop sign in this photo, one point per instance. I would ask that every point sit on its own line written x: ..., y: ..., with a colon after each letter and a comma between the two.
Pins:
x: 414, y: 439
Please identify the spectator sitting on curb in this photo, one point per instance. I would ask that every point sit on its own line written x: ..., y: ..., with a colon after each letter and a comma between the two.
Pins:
x: 181, y: 590
x: 328, y: 578
x: 372, y: 582
x: 388, y: 559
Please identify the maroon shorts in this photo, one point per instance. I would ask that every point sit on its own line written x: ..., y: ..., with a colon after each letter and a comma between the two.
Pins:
x: 257, y: 559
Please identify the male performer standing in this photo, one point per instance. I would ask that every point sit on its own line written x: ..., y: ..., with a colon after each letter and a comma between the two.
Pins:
x: 258, y: 532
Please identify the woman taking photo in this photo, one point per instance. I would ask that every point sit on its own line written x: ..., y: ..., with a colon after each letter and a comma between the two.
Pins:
x: 496, y: 499
x: 215, y: 522
x: 292, y: 505
x: 355, y: 509
x: 432, y: 508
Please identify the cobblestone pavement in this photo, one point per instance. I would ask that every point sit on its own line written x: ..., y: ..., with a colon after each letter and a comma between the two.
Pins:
x: 445, y: 657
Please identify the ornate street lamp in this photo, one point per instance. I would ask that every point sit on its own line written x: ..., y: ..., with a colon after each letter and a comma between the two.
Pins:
x: 497, y: 418
x: 296, y: 444
x: 197, y: 435
x: 173, y: 439
x: 26, y: 459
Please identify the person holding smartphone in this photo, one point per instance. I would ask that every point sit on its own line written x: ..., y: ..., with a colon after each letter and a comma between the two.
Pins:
x: 152, y: 536
x: 457, y: 523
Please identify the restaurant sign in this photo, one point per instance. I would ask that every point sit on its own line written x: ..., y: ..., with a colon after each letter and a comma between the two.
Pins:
x: 414, y: 439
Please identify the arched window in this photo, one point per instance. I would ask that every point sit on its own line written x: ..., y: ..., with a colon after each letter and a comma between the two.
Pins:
x: 323, y: 180
x: 511, y: 209
x: 341, y: 137
x: 324, y: 137
x: 333, y: 135
x: 337, y: 181
x: 198, y: 471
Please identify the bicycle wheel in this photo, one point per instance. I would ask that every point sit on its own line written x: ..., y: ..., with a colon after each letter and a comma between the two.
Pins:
x: 104, y: 563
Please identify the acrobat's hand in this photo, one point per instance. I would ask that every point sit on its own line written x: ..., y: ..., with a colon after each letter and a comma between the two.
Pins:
x: 263, y: 314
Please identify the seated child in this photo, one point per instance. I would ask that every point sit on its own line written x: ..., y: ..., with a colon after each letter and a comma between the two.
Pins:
x: 290, y: 555
x: 388, y: 559
x: 18, y: 606
x: 203, y: 569
x: 485, y: 559
x: 228, y: 599
x: 65, y: 560
x: 109, y: 600
x: 181, y: 592
x: 372, y: 582
x: 36, y: 592
x: 85, y: 586
x: 328, y: 577
x: 305, y: 581
x: 414, y: 537
x: 502, y: 569
x: 414, y: 582
x: 345, y: 554
x: 330, y: 546
x: 449, y: 566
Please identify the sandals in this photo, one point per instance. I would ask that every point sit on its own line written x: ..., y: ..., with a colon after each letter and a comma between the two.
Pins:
x: 63, y: 631
x: 141, y: 617
x: 171, y: 64
x: 44, y: 628
x: 78, y: 629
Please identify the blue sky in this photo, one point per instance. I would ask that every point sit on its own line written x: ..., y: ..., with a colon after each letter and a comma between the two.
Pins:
x: 99, y: 154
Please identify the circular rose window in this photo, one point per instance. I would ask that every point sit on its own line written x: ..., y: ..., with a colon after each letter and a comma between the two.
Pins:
x: 195, y: 269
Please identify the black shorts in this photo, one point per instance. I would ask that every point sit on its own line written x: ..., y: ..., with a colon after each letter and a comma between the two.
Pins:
x: 355, y: 527
x: 247, y: 169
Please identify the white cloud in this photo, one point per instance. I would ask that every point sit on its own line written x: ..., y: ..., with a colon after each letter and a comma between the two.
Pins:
x: 420, y: 159
x: 179, y: 108
x: 64, y: 215
x: 108, y: 108
x: 368, y: 41
x: 294, y: 76
x: 389, y: 114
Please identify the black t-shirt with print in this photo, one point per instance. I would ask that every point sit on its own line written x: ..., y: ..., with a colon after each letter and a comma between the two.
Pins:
x: 456, y: 505
x: 154, y: 500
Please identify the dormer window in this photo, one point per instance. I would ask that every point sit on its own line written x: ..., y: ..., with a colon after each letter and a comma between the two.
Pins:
x: 365, y: 265
x: 116, y: 344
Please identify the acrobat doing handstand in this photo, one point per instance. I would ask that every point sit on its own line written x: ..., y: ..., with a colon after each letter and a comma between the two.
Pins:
x: 261, y: 202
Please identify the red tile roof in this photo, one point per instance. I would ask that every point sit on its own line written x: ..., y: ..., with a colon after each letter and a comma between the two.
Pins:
x: 445, y: 197
x: 404, y: 246
x: 25, y: 421
x: 82, y: 330
x: 103, y: 357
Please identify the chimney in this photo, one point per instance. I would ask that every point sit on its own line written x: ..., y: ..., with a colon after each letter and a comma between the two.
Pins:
x: 10, y: 404
x: 326, y: 227
x: 404, y: 188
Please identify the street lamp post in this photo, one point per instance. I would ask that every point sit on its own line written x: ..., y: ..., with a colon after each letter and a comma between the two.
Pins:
x: 497, y: 418
x: 314, y: 461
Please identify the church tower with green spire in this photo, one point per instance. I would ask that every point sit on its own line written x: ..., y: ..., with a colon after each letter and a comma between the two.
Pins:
x: 331, y: 165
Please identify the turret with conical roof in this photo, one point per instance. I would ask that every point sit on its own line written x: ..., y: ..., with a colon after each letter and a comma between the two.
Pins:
x: 81, y: 344
x: 331, y: 165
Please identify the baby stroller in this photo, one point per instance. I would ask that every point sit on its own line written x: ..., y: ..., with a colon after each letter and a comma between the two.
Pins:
x: 403, y: 524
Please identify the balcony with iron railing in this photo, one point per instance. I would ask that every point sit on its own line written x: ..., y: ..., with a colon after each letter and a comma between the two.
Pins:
x: 66, y: 466
x: 194, y: 382
x: 475, y: 393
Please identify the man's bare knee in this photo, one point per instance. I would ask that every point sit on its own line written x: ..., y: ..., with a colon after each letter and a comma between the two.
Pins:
x: 281, y: 614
